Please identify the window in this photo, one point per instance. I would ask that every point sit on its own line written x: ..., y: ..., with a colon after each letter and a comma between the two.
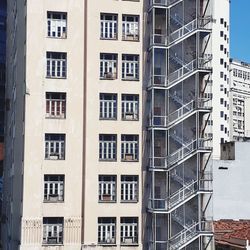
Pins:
x: 221, y: 74
x: 52, y: 230
x: 130, y: 107
x: 221, y: 61
x: 130, y: 67
x: 108, y: 66
x: 56, y: 64
x: 108, y: 26
x: 221, y: 47
x: 106, y: 230
x: 107, y: 147
x: 221, y: 127
x: 55, y: 105
x: 107, y: 188
x: 53, y: 188
x: 221, y: 114
x: 57, y: 24
x: 221, y: 33
x: 221, y: 101
x: 130, y: 27
x: 129, y: 148
x: 129, y: 188
x: 129, y: 230
x: 54, y: 146
x: 108, y: 106
x: 221, y: 21
x: 240, y: 73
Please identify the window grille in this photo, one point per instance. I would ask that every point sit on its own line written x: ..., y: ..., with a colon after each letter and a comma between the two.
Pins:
x: 129, y: 148
x: 129, y: 230
x: 52, y: 230
x: 130, y: 67
x: 108, y: 66
x: 106, y: 230
x: 57, y: 24
x: 130, y: 27
x: 56, y: 64
x: 107, y: 188
x: 107, y: 147
x: 108, y: 106
x: 129, y: 188
x: 130, y: 107
x: 53, y: 188
x: 55, y: 105
x: 54, y: 146
x: 108, y: 26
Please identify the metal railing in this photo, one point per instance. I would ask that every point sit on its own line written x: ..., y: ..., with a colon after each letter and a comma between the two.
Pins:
x: 165, y: 162
x: 186, y: 29
x: 165, y: 3
x: 175, y: 199
x: 184, y: 236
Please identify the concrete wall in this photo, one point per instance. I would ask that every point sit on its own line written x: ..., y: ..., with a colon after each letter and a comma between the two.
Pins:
x: 231, y: 198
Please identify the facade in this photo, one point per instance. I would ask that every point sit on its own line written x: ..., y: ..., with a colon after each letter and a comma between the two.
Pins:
x: 3, y: 13
x: 108, y: 111
x: 239, y: 100
x: 231, y: 193
x: 219, y: 123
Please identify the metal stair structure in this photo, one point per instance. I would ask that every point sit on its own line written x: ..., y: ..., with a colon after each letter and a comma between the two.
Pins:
x: 178, y: 106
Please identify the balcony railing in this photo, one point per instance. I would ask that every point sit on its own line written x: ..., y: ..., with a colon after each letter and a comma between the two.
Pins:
x: 174, y: 200
x: 177, y: 35
x: 165, y: 162
x: 165, y: 3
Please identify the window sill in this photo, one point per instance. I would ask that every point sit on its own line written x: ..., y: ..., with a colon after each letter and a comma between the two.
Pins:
x: 129, y: 244
x: 111, y: 78
x: 131, y: 40
x: 51, y: 244
x: 130, y: 120
x: 109, y: 39
x: 108, y: 160
x: 132, y: 202
x: 131, y: 79
x: 107, y: 244
x: 48, y: 201
x: 55, y: 37
x: 54, y: 77
x: 103, y: 201
x: 107, y: 119
x: 123, y: 160
x: 49, y: 159
x: 55, y: 117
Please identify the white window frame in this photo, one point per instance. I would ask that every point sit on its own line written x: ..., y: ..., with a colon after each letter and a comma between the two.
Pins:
x: 129, y: 230
x: 55, y: 147
x: 108, y: 66
x: 129, y: 147
x: 108, y: 106
x: 130, y: 107
x: 107, y: 147
x: 129, y: 188
x: 53, y: 231
x: 109, y: 26
x: 57, y: 24
x: 55, y: 105
x: 107, y: 188
x: 130, y: 27
x: 106, y: 230
x: 53, y: 188
x: 56, y: 65
x: 130, y: 67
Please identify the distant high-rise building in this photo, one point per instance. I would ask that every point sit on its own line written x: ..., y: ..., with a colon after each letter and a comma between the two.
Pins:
x: 239, y: 100
x: 108, y: 110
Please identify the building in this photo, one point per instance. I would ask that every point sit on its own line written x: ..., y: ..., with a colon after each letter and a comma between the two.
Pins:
x: 219, y: 123
x: 3, y: 14
x: 239, y: 100
x: 232, y: 193
x: 108, y: 107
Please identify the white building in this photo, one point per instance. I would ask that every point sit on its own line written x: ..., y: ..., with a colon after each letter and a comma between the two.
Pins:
x: 108, y: 106
x: 239, y: 100
x: 231, y: 197
x: 220, y: 79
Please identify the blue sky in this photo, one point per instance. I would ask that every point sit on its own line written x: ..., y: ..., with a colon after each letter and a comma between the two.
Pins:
x: 240, y: 29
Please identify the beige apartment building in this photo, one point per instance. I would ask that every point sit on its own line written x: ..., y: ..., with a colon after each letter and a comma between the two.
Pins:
x: 107, y: 107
